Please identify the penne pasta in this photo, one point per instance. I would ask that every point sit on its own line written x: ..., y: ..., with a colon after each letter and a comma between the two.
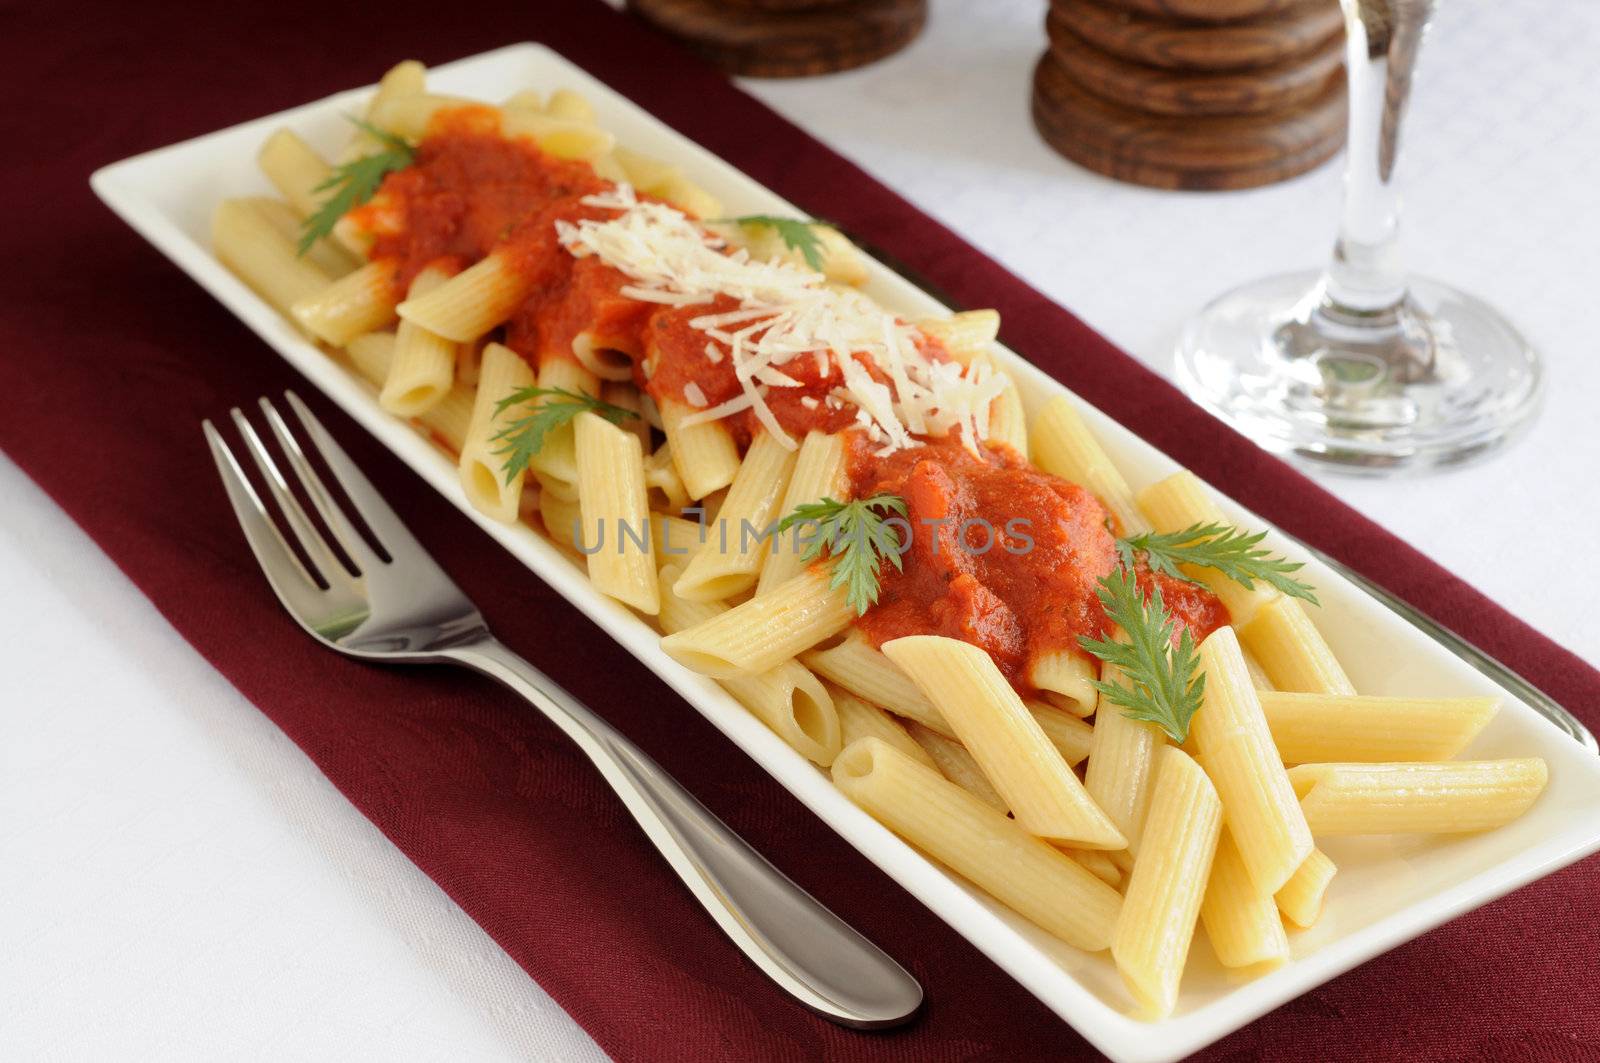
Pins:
x: 818, y: 474
x: 728, y: 563
x: 1453, y: 797
x: 1264, y: 817
x: 1292, y: 651
x: 295, y: 170
x: 1162, y: 901
x: 555, y: 465
x: 788, y: 699
x: 1071, y: 736
x: 676, y: 539
x: 470, y: 303
x: 1035, y: 880
x: 666, y: 486
x: 262, y: 256
x: 1182, y: 501
x: 1332, y: 727
x: 766, y: 631
x: 1007, y: 742
x: 1300, y: 899
x: 860, y: 719
x: 629, y: 398
x: 358, y: 302
x: 616, y: 528
x: 1097, y: 863
x: 1122, y: 759
x: 1241, y: 921
x: 965, y: 335
x: 1062, y: 444
x: 1066, y: 679
x: 957, y: 765
x: 562, y: 519
x: 858, y: 666
x: 482, y: 465
x: 705, y: 454
x: 424, y: 366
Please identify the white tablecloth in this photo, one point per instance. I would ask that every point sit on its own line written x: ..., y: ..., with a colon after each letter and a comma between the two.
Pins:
x: 178, y: 881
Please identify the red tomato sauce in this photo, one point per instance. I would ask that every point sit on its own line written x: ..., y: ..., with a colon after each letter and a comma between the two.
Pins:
x: 1002, y: 556
x: 471, y: 191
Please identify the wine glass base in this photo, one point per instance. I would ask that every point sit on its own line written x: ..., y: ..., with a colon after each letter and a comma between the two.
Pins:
x: 1441, y: 382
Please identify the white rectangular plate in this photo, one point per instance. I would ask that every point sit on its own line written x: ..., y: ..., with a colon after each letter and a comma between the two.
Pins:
x: 1388, y: 890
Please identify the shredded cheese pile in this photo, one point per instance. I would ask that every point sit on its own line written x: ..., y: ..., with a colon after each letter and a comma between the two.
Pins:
x: 786, y: 311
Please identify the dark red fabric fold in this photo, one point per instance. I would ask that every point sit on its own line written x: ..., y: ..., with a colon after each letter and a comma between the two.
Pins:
x: 109, y: 358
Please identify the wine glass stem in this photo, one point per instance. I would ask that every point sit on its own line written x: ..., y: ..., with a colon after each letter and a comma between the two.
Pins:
x: 1382, y: 40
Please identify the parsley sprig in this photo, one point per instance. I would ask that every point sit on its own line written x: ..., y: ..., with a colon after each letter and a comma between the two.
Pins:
x: 524, y: 436
x: 1230, y: 551
x: 858, y: 537
x: 1164, y: 682
x: 354, y: 183
x: 797, y: 234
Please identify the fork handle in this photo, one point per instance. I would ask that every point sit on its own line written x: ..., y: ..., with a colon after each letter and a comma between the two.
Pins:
x: 810, y: 952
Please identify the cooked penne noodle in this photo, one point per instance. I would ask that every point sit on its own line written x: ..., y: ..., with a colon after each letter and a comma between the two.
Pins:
x: 1008, y: 420
x: 1070, y: 735
x: 472, y: 302
x: 1300, y: 899
x: 406, y: 78
x: 676, y: 539
x: 1292, y: 651
x: 818, y: 473
x: 358, y: 302
x: 766, y: 631
x: 262, y: 256
x: 564, y: 103
x: 1258, y: 674
x: 372, y: 353
x: 325, y: 254
x: 1181, y: 501
x: 1066, y: 679
x: 295, y: 170
x: 666, y: 486
x: 1236, y: 745
x: 562, y: 518
x: 859, y: 719
x: 731, y: 558
x: 555, y: 465
x: 1241, y: 921
x: 424, y: 365
x: 1331, y: 727
x: 616, y: 528
x: 1122, y: 758
x: 858, y: 666
x: 1097, y: 863
x: 1062, y: 444
x: 1162, y: 901
x: 705, y: 454
x: 1001, y: 734
x: 964, y: 335
x: 1035, y: 880
x: 791, y: 701
x: 1453, y: 797
x: 629, y: 398
x: 602, y: 355
x: 956, y: 764
x: 841, y: 262
x: 482, y: 465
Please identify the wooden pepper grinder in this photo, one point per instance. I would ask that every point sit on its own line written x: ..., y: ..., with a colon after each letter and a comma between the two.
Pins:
x: 787, y: 38
x: 1193, y: 94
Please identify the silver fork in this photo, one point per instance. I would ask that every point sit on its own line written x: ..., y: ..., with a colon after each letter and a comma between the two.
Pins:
x: 403, y: 608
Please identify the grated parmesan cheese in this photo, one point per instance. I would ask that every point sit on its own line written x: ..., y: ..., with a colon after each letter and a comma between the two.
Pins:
x: 786, y: 311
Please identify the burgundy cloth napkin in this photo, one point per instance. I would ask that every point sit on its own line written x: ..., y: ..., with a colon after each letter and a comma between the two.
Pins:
x: 109, y: 358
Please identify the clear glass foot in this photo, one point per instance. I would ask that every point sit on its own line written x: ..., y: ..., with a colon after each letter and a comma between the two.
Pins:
x: 1440, y: 380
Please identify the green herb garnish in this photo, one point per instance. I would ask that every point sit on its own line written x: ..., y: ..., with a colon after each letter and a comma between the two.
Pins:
x: 858, y: 539
x: 1228, y: 550
x: 354, y: 183
x: 797, y: 234
x: 524, y: 436
x: 1164, y: 682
